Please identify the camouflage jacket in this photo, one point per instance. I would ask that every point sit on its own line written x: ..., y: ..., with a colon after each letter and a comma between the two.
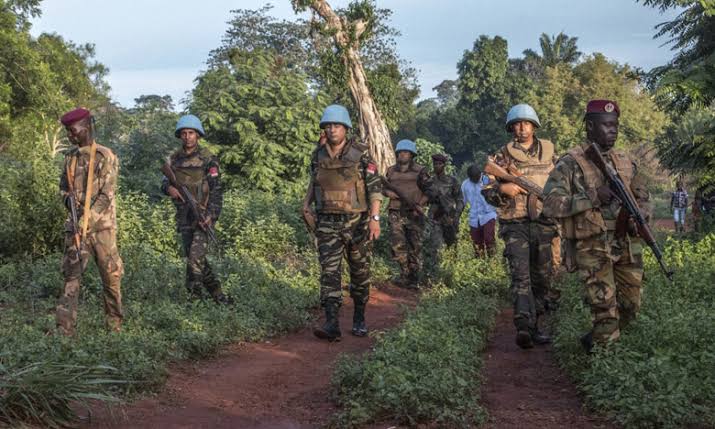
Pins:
x: 102, y: 204
x: 203, y: 177
x: 569, y: 194
x: 445, y: 196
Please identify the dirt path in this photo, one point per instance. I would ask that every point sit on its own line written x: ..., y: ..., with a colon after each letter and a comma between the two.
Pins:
x: 525, y: 388
x: 281, y: 383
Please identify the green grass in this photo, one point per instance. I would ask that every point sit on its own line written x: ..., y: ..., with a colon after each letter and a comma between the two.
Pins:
x: 428, y: 368
x: 661, y: 373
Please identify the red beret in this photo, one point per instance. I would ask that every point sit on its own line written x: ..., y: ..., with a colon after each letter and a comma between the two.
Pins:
x: 75, y: 115
x: 603, y: 106
x: 440, y: 157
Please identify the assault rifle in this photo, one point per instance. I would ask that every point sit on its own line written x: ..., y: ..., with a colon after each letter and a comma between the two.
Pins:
x: 74, y: 224
x: 405, y: 202
x: 191, y: 201
x: 511, y: 174
x: 629, y: 204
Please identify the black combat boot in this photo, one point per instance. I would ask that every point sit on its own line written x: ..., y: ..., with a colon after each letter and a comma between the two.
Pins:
x: 223, y: 299
x: 331, y: 328
x: 587, y: 342
x: 523, y: 337
x: 539, y: 338
x: 359, y: 327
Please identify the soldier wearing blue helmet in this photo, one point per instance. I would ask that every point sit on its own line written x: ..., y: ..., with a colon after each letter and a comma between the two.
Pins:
x: 197, y: 169
x: 407, y: 190
x: 526, y: 232
x: 346, y: 190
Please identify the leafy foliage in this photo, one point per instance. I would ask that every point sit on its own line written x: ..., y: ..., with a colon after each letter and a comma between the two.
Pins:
x: 659, y: 373
x: 271, y: 136
x: 404, y: 378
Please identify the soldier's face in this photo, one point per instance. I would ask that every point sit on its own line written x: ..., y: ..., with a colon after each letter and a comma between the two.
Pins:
x: 404, y: 157
x: 77, y: 132
x: 189, y: 137
x: 335, y: 133
x: 438, y: 167
x: 603, y: 129
x: 523, y: 131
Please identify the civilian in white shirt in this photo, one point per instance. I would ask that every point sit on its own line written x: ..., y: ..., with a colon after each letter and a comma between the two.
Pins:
x: 482, y: 216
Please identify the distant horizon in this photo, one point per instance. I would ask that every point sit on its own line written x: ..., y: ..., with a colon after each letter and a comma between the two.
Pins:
x: 145, y: 55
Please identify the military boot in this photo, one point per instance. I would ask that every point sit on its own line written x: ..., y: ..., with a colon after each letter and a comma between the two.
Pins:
x: 538, y: 337
x: 223, y: 299
x: 587, y: 342
x: 523, y: 336
x: 331, y: 328
x: 359, y: 327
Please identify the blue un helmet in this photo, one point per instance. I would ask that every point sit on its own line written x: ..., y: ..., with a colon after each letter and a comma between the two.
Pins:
x: 521, y: 112
x: 335, y: 114
x: 407, y: 145
x: 189, y: 121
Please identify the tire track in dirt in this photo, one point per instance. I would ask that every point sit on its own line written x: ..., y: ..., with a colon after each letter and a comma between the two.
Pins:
x: 282, y: 383
x: 526, y: 388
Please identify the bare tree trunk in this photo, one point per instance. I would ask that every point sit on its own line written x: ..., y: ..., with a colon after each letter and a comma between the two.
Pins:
x: 373, y: 130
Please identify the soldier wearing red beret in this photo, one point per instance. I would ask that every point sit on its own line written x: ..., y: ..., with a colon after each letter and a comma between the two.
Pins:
x: 87, y: 184
x: 609, y: 259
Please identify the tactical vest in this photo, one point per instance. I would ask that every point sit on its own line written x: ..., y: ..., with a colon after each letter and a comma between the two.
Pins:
x: 406, y: 182
x: 97, y: 221
x: 190, y: 171
x: 535, y: 168
x: 596, y: 221
x: 339, y: 184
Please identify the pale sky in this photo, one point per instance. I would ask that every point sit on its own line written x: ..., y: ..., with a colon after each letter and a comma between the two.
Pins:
x: 159, y: 46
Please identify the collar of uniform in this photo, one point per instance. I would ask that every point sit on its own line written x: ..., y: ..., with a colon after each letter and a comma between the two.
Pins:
x: 183, y: 154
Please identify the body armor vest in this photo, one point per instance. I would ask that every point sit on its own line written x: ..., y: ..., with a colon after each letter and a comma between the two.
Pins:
x: 596, y: 221
x: 190, y: 171
x: 339, y: 184
x: 536, y: 168
x: 406, y: 182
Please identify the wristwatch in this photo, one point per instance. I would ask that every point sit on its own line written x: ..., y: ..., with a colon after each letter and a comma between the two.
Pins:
x: 375, y: 218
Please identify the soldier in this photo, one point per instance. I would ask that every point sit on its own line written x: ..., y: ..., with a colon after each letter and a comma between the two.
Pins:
x: 197, y: 169
x: 526, y: 232
x: 679, y: 206
x: 446, y: 206
x: 608, y: 256
x: 406, y: 186
x: 87, y: 184
x: 346, y: 189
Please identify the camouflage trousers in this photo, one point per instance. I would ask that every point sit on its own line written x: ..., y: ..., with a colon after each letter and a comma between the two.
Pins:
x: 440, y: 234
x: 199, y: 274
x: 612, y: 270
x: 406, y: 234
x: 528, y: 251
x: 338, y: 236
x: 102, y: 245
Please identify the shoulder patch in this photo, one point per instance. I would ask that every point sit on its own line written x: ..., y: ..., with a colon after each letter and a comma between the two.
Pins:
x: 371, y: 168
x: 213, y: 171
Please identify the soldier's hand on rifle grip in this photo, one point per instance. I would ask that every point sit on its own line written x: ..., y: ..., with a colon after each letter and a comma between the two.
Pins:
x: 175, y: 194
x: 511, y: 189
x: 206, y: 223
x: 605, y: 195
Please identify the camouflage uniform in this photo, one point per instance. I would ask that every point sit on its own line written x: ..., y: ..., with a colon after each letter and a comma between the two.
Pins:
x: 611, y: 266
x: 446, y: 203
x: 527, y: 234
x: 199, y: 172
x: 406, y: 226
x: 343, y: 189
x: 101, y: 238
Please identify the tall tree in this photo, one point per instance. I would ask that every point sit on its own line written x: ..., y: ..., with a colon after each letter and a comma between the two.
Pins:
x: 348, y: 30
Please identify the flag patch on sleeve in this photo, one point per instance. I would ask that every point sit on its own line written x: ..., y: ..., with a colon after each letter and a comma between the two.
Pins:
x: 371, y: 168
x: 213, y: 171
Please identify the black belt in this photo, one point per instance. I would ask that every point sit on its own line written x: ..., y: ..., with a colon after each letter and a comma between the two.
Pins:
x: 338, y: 217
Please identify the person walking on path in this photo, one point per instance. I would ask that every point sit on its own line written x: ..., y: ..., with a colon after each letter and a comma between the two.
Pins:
x: 482, y: 215
x: 679, y: 206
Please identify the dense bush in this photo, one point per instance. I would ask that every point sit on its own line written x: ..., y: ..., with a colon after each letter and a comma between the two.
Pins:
x: 661, y: 373
x: 274, y: 292
x: 405, y: 377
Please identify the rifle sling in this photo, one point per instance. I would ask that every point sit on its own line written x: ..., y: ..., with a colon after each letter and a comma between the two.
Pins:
x: 88, y: 193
